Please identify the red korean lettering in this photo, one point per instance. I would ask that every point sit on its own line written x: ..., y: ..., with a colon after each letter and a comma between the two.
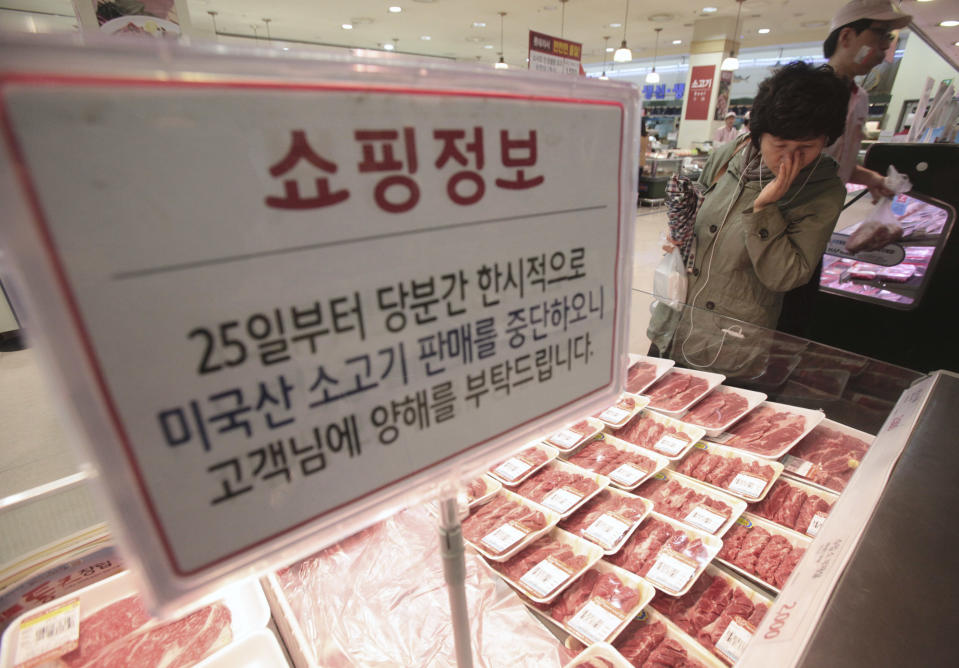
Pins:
x: 379, y: 156
x: 518, y: 153
x: 300, y: 149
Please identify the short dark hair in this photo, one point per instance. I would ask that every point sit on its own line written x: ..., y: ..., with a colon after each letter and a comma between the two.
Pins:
x: 832, y: 42
x: 800, y: 101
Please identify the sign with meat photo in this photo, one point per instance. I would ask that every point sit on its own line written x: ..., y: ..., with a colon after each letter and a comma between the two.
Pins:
x: 286, y: 306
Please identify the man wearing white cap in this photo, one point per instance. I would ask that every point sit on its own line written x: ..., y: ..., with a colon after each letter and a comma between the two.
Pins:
x: 727, y: 132
x: 860, y: 34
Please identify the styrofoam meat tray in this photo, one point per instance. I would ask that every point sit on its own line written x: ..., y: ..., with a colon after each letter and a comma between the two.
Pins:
x: 492, y: 487
x: 625, y: 479
x: 826, y: 495
x: 667, y: 446
x: 610, y: 524
x: 797, y: 467
x: 552, y: 519
x: 620, y: 412
x: 514, y: 470
x: 260, y: 649
x: 703, y: 517
x: 661, y: 364
x: 600, y: 650
x: 752, y: 398
x: 810, y: 416
x: 545, y: 581
x: 561, y: 500
x: 693, y: 649
x: 593, y: 622
x: 753, y: 593
x: 567, y: 440
x: 712, y: 380
x: 247, y: 604
x: 740, y: 485
x: 795, y: 539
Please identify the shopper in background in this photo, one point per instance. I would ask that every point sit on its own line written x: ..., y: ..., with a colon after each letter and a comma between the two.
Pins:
x: 773, y: 199
x: 727, y: 132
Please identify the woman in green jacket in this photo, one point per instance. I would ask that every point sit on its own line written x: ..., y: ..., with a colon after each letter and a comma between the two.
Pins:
x: 770, y: 208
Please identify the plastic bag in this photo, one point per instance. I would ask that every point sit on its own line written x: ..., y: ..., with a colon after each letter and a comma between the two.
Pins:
x: 882, y: 225
x: 669, y: 281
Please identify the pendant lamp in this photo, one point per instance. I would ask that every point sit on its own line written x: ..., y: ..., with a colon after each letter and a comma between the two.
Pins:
x: 501, y: 64
x: 731, y: 63
x: 603, y: 76
x: 653, y: 76
x: 623, y: 54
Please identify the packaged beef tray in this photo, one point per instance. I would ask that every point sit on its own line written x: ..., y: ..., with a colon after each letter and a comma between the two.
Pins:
x: 523, y: 464
x: 505, y: 525
x: 741, y: 474
x: 700, y: 506
x: 763, y: 551
x: 549, y: 565
x: 652, y: 641
x: 828, y: 455
x: 562, y: 487
x: 721, y: 612
x: 664, y: 435
x: 480, y: 490
x: 573, y: 435
x: 722, y: 408
x: 668, y: 554
x: 599, y: 655
x: 599, y: 605
x: 625, y: 464
x: 644, y: 371
x: 796, y: 505
x: 678, y: 390
x: 620, y: 412
x: 111, y: 627
x: 771, y: 429
x: 608, y: 519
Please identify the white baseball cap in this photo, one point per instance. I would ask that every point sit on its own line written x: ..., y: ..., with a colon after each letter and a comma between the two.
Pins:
x: 877, y: 10
x: 730, y: 113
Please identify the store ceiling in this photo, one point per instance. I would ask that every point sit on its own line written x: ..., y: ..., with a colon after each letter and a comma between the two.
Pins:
x: 455, y: 31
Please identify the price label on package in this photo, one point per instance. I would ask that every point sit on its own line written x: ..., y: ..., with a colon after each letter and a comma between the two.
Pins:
x: 503, y: 538
x: 704, y: 518
x: 627, y: 475
x: 565, y: 439
x: 512, y: 468
x: 562, y: 499
x: 671, y: 445
x: 800, y: 467
x: 595, y: 621
x: 614, y: 415
x: 48, y: 635
x: 734, y: 639
x: 816, y: 524
x: 747, y: 485
x: 543, y: 578
x: 670, y: 571
x: 607, y: 529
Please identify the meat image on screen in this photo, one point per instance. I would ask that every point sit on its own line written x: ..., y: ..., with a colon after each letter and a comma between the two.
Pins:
x: 675, y: 390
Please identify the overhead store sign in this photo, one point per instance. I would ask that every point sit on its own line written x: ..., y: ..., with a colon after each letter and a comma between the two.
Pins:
x: 282, y: 306
x: 553, y: 54
x: 700, y: 90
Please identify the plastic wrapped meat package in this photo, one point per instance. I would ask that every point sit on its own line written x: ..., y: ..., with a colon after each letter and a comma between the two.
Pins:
x: 379, y: 599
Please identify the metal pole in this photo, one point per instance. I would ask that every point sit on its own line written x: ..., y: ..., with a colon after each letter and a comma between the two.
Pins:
x: 454, y: 571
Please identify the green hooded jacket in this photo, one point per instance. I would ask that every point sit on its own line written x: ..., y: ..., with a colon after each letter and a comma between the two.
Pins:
x: 745, y: 261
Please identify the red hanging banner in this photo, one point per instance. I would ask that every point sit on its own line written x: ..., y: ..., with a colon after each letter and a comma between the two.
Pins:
x: 700, y: 90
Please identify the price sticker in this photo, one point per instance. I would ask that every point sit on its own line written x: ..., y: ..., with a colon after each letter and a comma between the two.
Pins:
x: 595, y: 621
x: 614, y: 415
x: 503, y: 537
x: 734, y: 639
x: 49, y: 634
x: 816, y: 524
x: 747, y: 485
x: 703, y: 518
x: 671, y: 572
x: 607, y: 529
x: 512, y: 468
x: 543, y: 578
x: 565, y: 439
x: 800, y: 467
x: 561, y: 499
x: 671, y: 445
x: 627, y: 475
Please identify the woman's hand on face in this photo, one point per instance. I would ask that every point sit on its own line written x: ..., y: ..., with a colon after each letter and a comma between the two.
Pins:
x: 789, y: 166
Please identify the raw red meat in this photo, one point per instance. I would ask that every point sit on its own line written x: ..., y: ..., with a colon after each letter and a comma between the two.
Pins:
x: 595, y: 662
x: 643, y: 430
x: 755, y: 550
x: 638, y: 554
x: 639, y: 376
x: 739, y: 606
x: 786, y: 567
x: 708, y: 608
x: 766, y: 430
x: 626, y: 403
x: 812, y: 507
x: 791, y: 507
x: 676, y: 500
x: 752, y: 548
x: 182, y: 642
x: 544, y: 481
x: 533, y: 456
x: 675, y: 606
x: 638, y: 641
x: 835, y: 456
x: 626, y: 508
x: 106, y: 626
x: 496, y: 513
x: 772, y: 557
x: 721, y: 407
x: 676, y: 390
x: 517, y: 566
x: 475, y: 489
x: 668, y: 654
x: 829, y: 381
x: 733, y: 542
x: 594, y: 584
x: 692, y: 461
x: 603, y: 458
x: 758, y: 613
